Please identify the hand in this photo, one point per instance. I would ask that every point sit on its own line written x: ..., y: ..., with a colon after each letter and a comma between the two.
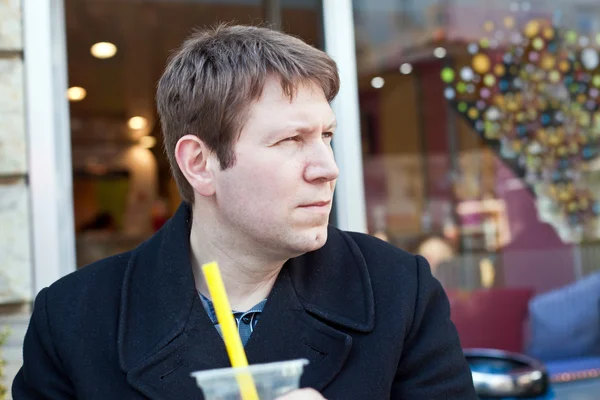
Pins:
x: 302, y: 394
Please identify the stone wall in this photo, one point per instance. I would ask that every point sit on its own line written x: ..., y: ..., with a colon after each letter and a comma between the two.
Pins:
x: 15, y: 245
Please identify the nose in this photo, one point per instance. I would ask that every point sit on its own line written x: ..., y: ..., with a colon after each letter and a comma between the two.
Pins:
x: 321, y: 166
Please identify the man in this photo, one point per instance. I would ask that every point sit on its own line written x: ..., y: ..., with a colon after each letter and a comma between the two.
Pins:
x: 247, y: 128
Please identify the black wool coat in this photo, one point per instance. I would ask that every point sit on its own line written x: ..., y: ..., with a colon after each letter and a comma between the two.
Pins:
x: 370, y: 318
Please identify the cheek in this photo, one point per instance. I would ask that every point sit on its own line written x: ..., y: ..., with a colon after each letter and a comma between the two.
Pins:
x: 262, y: 185
x: 273, y: 172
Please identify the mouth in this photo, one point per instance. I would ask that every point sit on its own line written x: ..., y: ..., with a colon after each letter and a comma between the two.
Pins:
x: 318, y: 204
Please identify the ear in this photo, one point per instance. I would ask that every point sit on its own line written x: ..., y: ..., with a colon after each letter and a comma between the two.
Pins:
x: 196, y: 162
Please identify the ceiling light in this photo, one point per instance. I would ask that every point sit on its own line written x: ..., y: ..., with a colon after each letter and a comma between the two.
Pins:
x: 103, y: 50
x: 76, y: 93
x: 406, y: 68
x: 137, y: 122
x: 377, y: 82
x: 148, y: 142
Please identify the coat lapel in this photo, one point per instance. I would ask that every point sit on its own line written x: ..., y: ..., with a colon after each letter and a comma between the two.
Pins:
x: 286, y: 332
x: 166, y: 373
x: 165, y: 334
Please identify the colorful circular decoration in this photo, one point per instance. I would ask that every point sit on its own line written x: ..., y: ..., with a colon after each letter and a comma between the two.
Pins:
x: 516, y: 38
x: 517, y: 146
x: 532, y: 113
x: 493, y: 114
x: 538, y: 43
x: 481, y: 63
x: 530, y: 69
x: 533, y: 57
x: 509, y: 22
x: 532, y: 28
x: 539, y: 76
x: 489, y: 80
x: 548, y: 62
x: 585, y: 119
x: 499, y: 70
x: 539, y: 100
x: 473, y: 48
x: 466, y: 74
x: 554, y: 76
x: 447, y: 75
x: 590, y: 59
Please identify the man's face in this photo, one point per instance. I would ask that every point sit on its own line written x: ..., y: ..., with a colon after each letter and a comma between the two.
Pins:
x: 279, y: 192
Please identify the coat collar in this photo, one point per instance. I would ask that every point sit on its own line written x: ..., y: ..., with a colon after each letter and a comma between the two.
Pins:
x: 164, y: 332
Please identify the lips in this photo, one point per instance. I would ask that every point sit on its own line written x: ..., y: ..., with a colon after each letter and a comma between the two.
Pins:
x: 317, y: 204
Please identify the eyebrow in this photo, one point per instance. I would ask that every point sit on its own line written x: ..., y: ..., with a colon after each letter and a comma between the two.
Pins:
x: 306, y: 129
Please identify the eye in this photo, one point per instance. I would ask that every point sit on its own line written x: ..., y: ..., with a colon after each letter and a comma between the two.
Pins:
x: 290, y: 139
x: 327, y: 135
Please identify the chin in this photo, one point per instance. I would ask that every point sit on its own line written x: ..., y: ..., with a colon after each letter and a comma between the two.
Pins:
x: 314, y: 238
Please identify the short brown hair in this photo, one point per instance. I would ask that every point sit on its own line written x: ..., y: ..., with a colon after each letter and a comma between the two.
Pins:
x: 210, y: 82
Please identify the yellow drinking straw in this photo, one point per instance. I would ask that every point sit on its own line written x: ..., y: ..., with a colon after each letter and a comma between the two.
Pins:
x: 231, y: 337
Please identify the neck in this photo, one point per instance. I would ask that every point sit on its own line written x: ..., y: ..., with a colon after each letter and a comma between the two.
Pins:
x: 248, y: 275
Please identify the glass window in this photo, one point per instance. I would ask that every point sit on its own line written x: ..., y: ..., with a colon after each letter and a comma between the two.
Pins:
x: 480, y: 127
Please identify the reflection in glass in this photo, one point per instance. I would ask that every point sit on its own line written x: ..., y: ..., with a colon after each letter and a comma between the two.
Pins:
x: 487, y: 161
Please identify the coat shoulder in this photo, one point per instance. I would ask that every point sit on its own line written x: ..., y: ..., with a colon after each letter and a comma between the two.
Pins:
x: 94, y: 276
x: 93, y: 287
x: 391, y: 269
x: 384, y: 256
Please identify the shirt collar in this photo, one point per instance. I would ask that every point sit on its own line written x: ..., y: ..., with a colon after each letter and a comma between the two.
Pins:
x: 210, y: 309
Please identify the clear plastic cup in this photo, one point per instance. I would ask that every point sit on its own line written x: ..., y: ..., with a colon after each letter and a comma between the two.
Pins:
x: 271, y: 380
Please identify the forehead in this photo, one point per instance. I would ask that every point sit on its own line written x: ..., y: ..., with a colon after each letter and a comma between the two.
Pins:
x: 308, y: 103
